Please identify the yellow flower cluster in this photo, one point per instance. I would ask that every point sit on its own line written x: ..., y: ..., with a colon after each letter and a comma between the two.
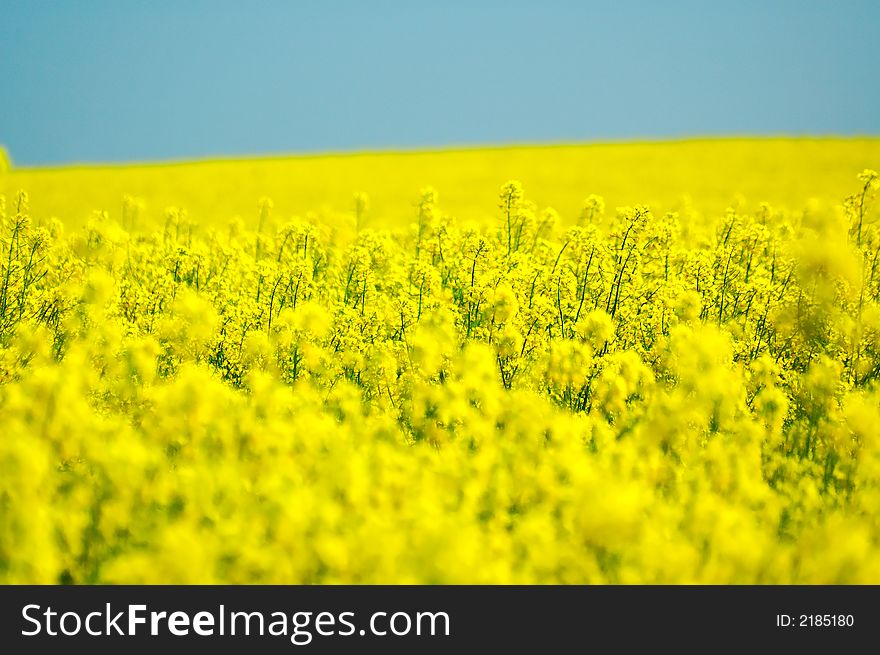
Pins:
x: 628, y: 398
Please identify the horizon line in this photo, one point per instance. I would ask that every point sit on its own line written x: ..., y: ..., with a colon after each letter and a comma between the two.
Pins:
x: 427, y: 149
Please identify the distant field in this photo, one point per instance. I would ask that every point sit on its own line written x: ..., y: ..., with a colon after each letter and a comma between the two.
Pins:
x: 710, y: 172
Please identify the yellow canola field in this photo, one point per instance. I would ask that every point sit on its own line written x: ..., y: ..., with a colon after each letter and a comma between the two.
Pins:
x: 319, y: 370
x: 711, y: 174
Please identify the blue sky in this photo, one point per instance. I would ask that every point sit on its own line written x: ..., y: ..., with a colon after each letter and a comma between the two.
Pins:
x: 96, y: 80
